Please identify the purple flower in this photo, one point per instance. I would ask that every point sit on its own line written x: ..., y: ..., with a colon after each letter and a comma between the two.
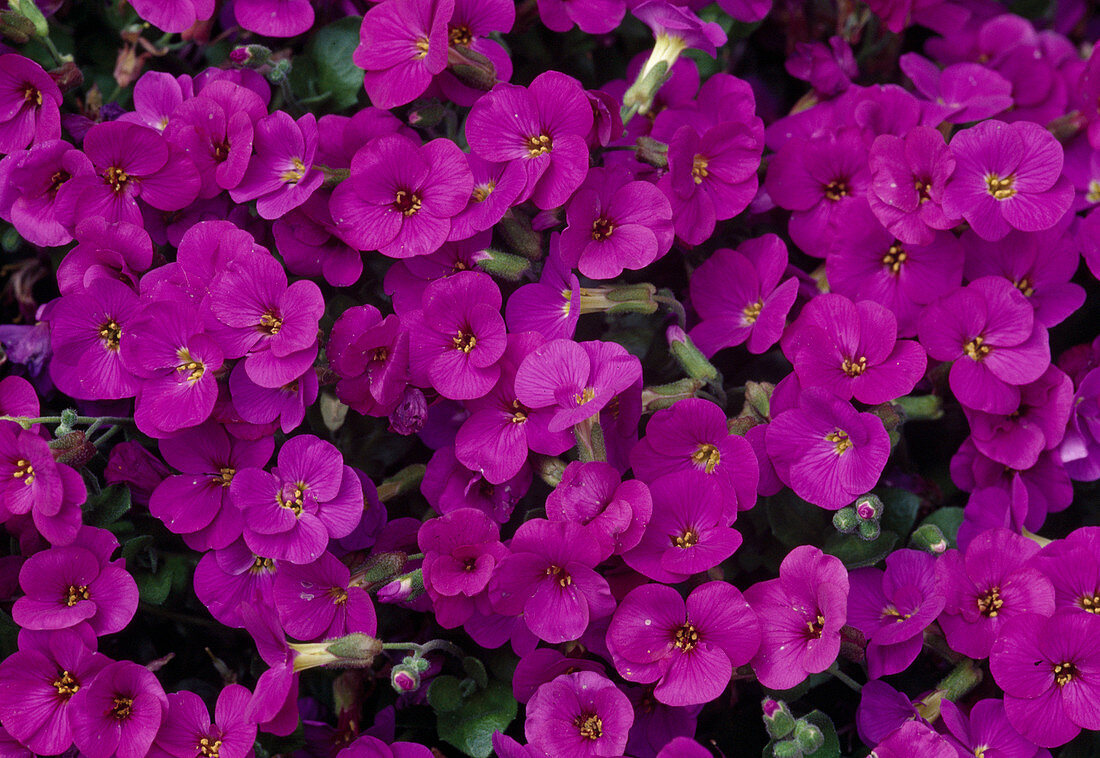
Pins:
x: 988, y: 329
x: 892, y: 609
x: 196, y: 502
x: 581, y: 714
x: 272, y: 324
x: 141, y: 471
x: 550, y: 578
x: 495, y: 439
x: 401, y: 196
x: 229, y: 579
x: 317, y: 601
x: 264, y: 405
x: 367, y: 746
x: 866, y: 262
x: 594, y: 495
x: 457, y: 339
x: 33, y: 179
x: 689, y: 531
x: 402, y: 45
x: 131, y: 161
x: 310, y: 497
x: 157, y: 95
x: 817, y: 178
x: 575, y: 379
x: 472, y: 26
x: 37, y: 684
x: 308, y: 241
x: 406, y: 279
x: 274, y: 18
x: 69, y: 585
x: 449, y: 485
x: 690, y: 648
x: 826, y: 451
x: 989, y: 586
x: 32, y: 483
x: 738, y: 295
x: 187, y: 730
x: 1007, y: 176
x: 965, y: 92
x: 908, y: 176
x: 986, y: 729
x: 174, y: 15
x: 1073, y: 567
x: 801, y: 614
x: 748, y: 11
x: 497, y: 186
x: 615, y: 223
x: 692, y: 436
x: 1048, y: 669
x: 280, y: 175
x: 1039, y: 264
x: 370, y: 354
x: 828, y: 68
x: 674, y: 28
x: 882, y: 709
x: 119, y: 712
x: 914, y: 738
x: 552, y: 305
x: 595, y: 17
x: 104, y: 250
x: 541, y: 127
x: 31, y: 104
x: 544, y: 665
x: 462, y: 550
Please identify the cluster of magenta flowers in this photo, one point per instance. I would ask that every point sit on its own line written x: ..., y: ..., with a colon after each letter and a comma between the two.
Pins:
x: 577, y: 418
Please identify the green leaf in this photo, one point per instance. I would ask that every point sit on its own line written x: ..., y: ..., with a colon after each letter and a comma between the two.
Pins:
x: 331, y: 49
x: 855, y: 552
x: 132, y: 547
x: 795, y: 522
x: 829, y: 749
x: 901, y: 508
x: 107, y: 507
x: 153, y: 588
x: 948, y: 520
x: 445, y: 694
x: 475, y: 669
x: 471, y: 727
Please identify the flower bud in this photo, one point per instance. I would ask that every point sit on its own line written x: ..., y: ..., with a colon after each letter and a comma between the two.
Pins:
x: 777, y: 718
x: 786, y: 749
x: 809, y: 737
x: 661, y: 396
x: 250, y: 56
x: 869, y: 530
x: 690, y: 358
x: 758, y: 401
x: 652, y: 151
x: 846, y: 520
x: 920, y: 407
x: 408, y: 417
x: 426, y: 115
x: 471, y: 68
x: 406, y: 587
x: 30, y: 17
x: 67, y: 77
x: 404, y: 678
x: 869, y: 507
x: 515, y: 228
x: 509, y: 267
x: 73, y: 449
x: 378, y: 568
x: 929, y: 537
x: 354, y: 650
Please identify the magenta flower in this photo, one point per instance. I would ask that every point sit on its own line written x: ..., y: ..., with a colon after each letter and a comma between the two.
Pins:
x: 598, y: 17
x: 1047, y: 668
x: 826, y: 451
x: 690, y: 648
x: 462, y: 550
x: 866, y: 262
x: 541, y: 127
x: 615, y: 223
x: 367, y: 746
x: 575, y: 379
x: 280, y: 175
x: 470, y: 26
x: 274, y: 18
x: 196, y: 503
x: 118, y: 251
x: 675, y: 27
x: 908, y: 176
x: 985, y: 729
x: 457, y: 339
x: 310, y: 497
x: 828, y: 68
x: 448, y: 485
x: 370, y: 354
x: 497, y: 186
x: 581, y: 714
x: 32, y: 483
x: 594, y: 495
x: 317, y: 601
x: 273, y: 325
x: 31, y: 104
x: 550, y: 578
x: 892, y: 609
x: 852, y: 350
x: 801, y: 614
x: 914, y: 738
x: 402, y: 45
x: 543, y: 665
x: 738, y: 295
x: 174, y: 15
x: 1073, y: 567
x: 1007, y: 176
x: 229, y: 579
x: 689, y: 531
x: 692, y: 436
x: 37, y: 684
x: 119, y: 712
x: 187, y: 729
x: 401, y: 196
x: 552, y: 305
x: 989, y: 586
x: 131, y: 161
x: 817, y: 178
x: 31, y: 198
x: 988, y: 329
x: 307, y: 239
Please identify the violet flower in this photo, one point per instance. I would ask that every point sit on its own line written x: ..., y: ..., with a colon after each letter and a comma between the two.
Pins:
x: 828, y: 68
x: 594, y: 17
x: 174, y: 15
x: 187, y: 727
x: 965, y: 92
x: 985, y: 729
x: 402, y: 45
x: 31, y: 104
x: 317, y: 601
x: 119, y: 712
x: 690, y: 648
x: 274, y: 18
x: 280, y: 175
x: 581, y: 714
x: 594, y: 495
x: 462, y: 550
x: 370, y: 354
x: 231, y: 578
x: 31, y: 199
x: 908, y: 176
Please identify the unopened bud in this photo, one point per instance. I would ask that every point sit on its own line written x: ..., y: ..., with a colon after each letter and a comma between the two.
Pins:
x: 73, y: 449
x: 929, y: 537
x: 652, y: 151
x: 404, y: 678
x: 404, y: 588
x: 786, y: 749
x: 777, y: 718
x: 920, y: 407
x: 660, y: 396
x: 869, y: 507
x: 504, y: 265
x: 409, y: 415
x: 809, y: 737
x: 354, y: 650
x: 846, y: 520
x: 279, y: 71
x: 758, y: 400
x: 250, y: 56
x: 869, y: 531
x: 516, y: 230
x: 15, y: 27
x: 427, y: 115
x: 406, y: 480
x: 378, y: 568
x: 67, y: 76
x: 690, y: 358
x: 29, y: 12
x: 471, y: 67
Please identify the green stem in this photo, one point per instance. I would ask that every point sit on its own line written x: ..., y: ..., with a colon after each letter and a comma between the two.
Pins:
x: 106, y: 436
x: 58, y: 58
x: 27, y: 421
x: 849, y: 681
x: 427, y: 647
